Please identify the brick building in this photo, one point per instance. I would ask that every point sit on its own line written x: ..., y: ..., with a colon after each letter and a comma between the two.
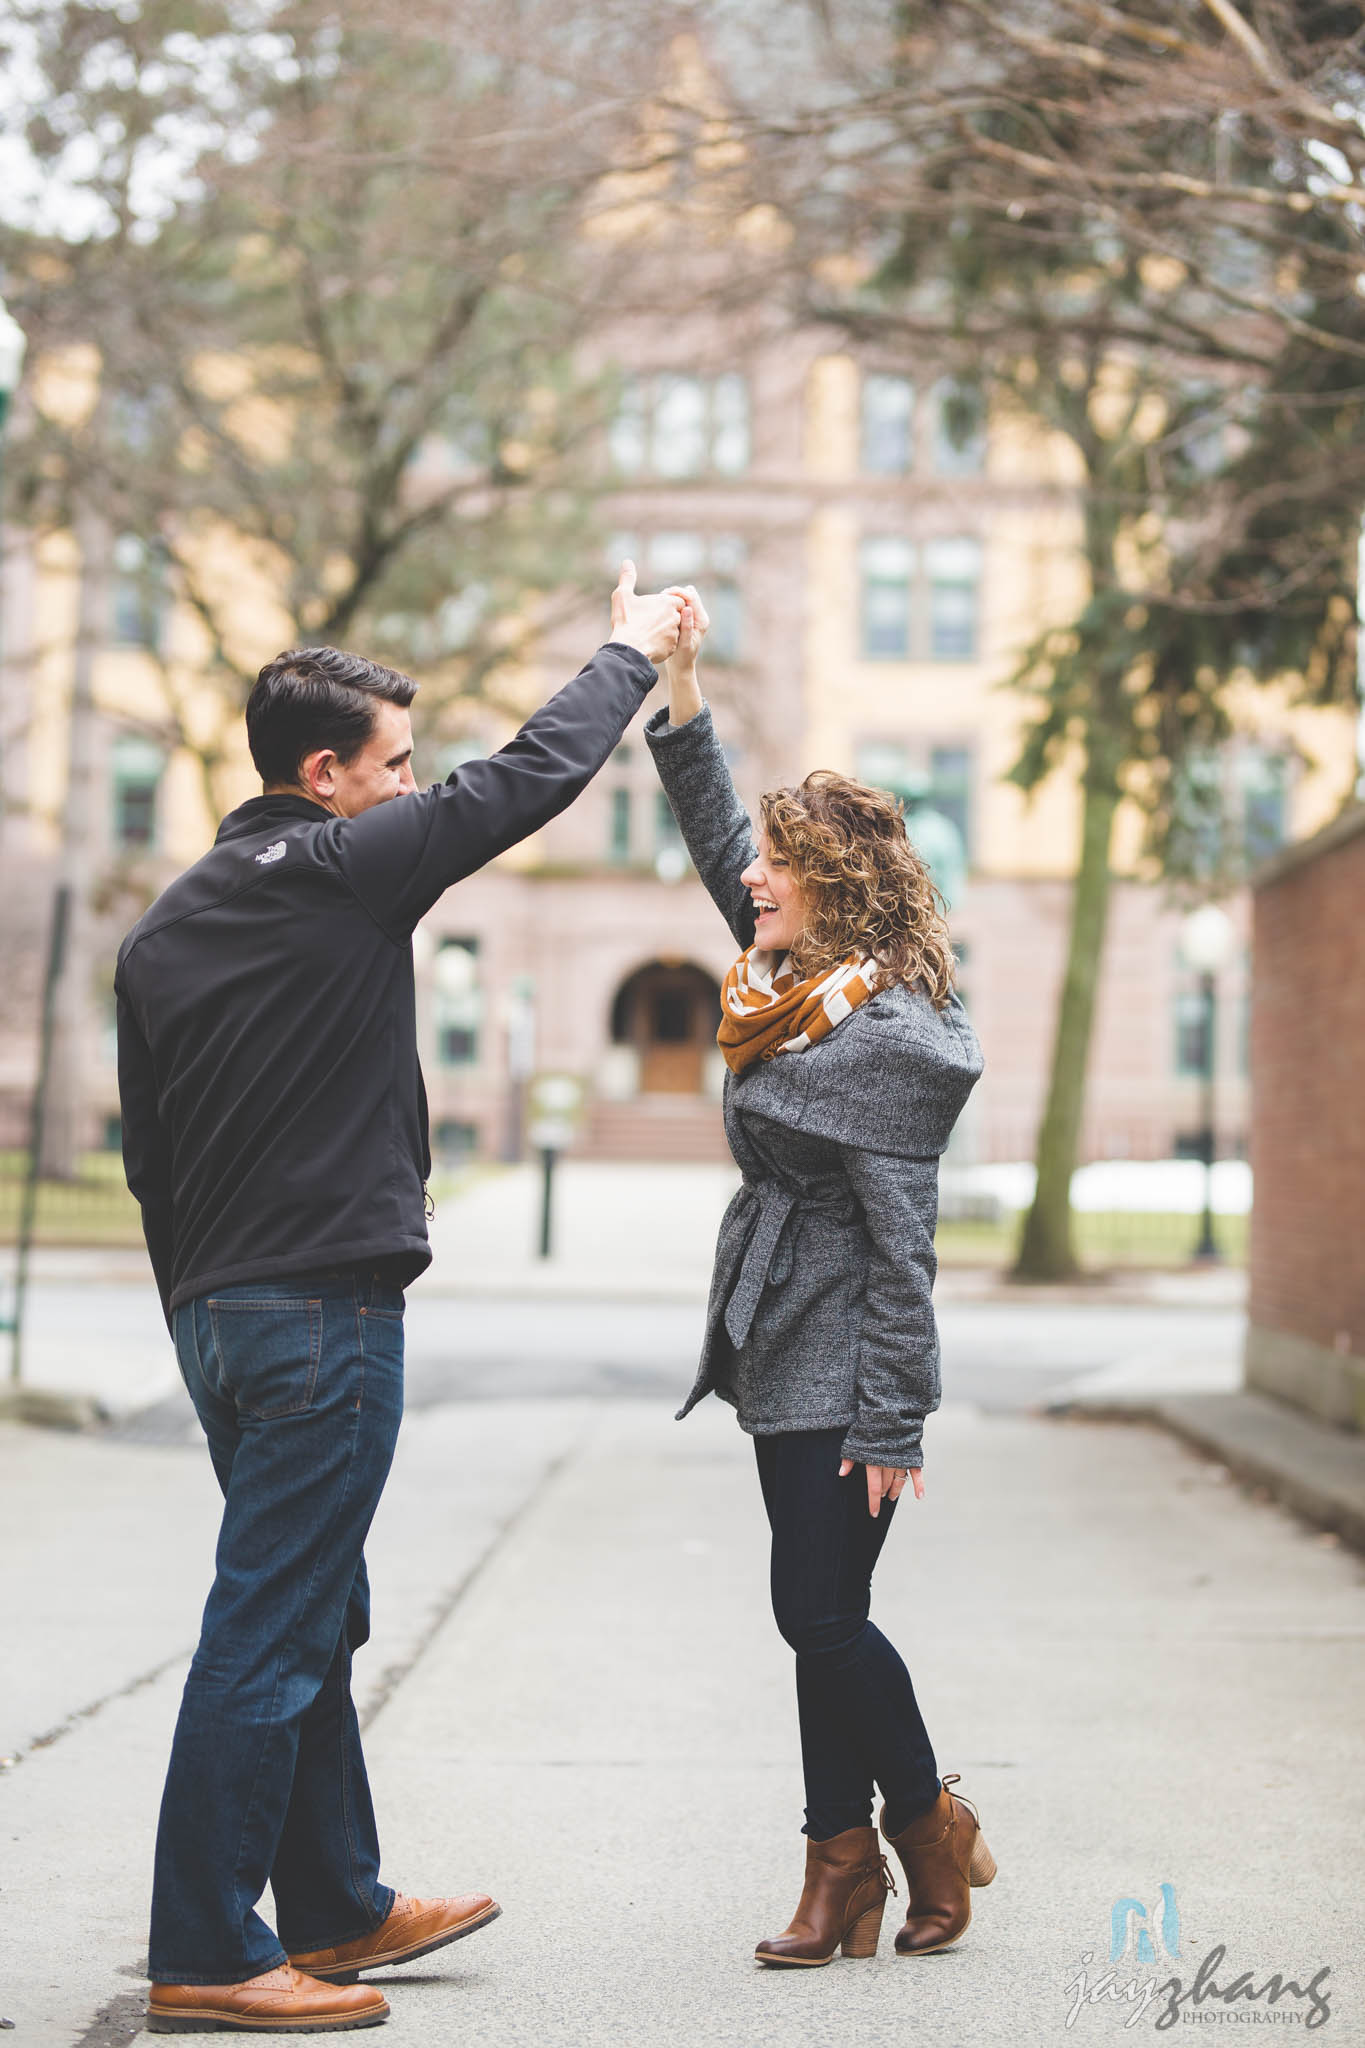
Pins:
x: 872, y: 577
x: 1306, y: 1336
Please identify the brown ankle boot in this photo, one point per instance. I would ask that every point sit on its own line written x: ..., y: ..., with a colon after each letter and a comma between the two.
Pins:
x: 943, y: 1854
x: 841, y: 1905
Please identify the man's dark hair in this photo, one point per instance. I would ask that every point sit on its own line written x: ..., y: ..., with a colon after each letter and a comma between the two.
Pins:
x: 313, y: 697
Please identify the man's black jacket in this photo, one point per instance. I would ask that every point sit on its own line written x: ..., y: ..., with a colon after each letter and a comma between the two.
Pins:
x: 274, y: 1118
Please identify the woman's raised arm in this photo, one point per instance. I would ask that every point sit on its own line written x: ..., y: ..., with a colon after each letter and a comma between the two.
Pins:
x: 697, y: 782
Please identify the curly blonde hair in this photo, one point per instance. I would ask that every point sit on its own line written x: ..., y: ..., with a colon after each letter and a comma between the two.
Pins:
x: 865, y: 888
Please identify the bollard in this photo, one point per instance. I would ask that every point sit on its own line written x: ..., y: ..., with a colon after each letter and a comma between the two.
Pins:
x: 548, y: 1156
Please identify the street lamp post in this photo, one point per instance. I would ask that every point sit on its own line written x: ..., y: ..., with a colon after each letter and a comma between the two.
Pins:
x: 1206, y: 942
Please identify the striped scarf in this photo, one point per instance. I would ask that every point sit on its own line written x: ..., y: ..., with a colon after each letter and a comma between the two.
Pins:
x: 766, y: 1010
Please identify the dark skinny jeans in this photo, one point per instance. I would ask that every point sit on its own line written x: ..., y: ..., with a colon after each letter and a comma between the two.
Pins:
x: 860, y: 1723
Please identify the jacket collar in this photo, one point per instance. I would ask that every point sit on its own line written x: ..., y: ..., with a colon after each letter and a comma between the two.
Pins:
x: 260, y: 812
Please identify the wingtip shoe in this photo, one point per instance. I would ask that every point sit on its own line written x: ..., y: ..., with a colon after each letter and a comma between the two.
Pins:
x: 282, y: 2001
x: 413, y: 1928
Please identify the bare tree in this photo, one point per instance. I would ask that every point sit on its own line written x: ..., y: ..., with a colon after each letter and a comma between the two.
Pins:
x: 325, y: 273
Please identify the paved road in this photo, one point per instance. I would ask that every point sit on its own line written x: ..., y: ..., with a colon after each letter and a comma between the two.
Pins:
x: 107, y: 1339
x: 575, y: 1695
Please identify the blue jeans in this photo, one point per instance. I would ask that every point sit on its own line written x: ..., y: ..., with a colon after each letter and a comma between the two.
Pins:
x: 299, y: 1387
x: 860, y: 1720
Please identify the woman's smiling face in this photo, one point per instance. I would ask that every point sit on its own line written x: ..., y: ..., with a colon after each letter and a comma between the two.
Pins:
x: 778, y: 903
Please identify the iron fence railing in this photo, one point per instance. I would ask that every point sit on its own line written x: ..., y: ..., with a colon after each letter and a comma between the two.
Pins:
x: 91, y: 1206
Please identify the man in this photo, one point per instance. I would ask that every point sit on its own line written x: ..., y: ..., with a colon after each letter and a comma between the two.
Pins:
x: 275, y: 1135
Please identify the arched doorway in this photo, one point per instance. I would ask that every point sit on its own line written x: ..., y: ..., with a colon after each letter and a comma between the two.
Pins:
x: 668, y: 1013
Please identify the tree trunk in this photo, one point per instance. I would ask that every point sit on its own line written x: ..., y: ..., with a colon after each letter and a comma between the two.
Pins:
x: 1046, y: 1251
x: 65, y: 1126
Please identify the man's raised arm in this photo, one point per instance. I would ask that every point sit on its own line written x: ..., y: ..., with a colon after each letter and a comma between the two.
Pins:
x: 400, y: 857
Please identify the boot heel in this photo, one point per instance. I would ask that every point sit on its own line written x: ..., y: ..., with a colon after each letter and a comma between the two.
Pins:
x: 862, y: 1937
x: 981, y: 1869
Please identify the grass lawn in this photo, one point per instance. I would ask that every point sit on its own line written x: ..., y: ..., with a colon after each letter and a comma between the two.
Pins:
x: 97, y: 1209
x: 1103, y: 1238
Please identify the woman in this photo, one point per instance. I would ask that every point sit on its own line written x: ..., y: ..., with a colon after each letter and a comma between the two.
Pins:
x: 849, y: 1060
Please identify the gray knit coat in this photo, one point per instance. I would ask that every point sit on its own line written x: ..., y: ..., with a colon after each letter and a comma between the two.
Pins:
x: 821, y: 1309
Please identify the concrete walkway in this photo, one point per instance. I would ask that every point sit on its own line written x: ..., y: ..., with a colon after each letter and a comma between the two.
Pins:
x: 576, y: 1697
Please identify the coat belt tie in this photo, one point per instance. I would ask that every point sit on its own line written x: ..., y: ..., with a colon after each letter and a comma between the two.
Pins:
x: 771, y: 1206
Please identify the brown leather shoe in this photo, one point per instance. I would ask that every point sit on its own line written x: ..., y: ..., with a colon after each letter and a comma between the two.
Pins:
x: 943, y: 1854
x: 414, y: 1928
x: 283, y: 2001
x: 841, y: 1904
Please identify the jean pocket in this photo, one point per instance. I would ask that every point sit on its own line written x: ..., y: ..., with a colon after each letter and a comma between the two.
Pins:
x: 268, y: 1353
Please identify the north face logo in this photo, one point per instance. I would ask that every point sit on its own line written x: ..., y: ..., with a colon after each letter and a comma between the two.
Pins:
x: 271, y: 854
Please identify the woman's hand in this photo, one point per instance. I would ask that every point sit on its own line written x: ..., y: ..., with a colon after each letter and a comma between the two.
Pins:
x: 693, y: 629
x: 885, y: 1482
x: 680, y: 670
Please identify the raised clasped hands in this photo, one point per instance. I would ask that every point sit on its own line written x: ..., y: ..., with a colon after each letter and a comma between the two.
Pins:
x: 649, y: 624
x: 885, y: 1482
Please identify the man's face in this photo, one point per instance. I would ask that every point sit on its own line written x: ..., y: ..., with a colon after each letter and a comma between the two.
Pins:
x: 381, y: 770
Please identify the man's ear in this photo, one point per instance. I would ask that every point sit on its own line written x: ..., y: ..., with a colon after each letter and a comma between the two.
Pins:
x: 316, y: 772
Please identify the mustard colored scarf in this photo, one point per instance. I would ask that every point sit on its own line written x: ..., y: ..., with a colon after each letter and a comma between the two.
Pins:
x: 766, y: 1010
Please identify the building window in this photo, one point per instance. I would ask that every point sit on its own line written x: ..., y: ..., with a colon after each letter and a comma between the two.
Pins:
x: 678, y: 430
x: 137, y: 593
x: 714, y: 563
x: 950, y: 787
x: 959, y: 428
x: 920, y: 603
x: 888, y: 424
x: 1263, y: 777
x: 954, y: 572
x: 888, y: 568
x: 676, y: 426
x: 454, y: 1141
x: 730, y: 424
x: 1229, y: 810
x: 935, y: 785
x: 667, y: 831
x: 1192, y: 1046
x: 619, y: 846
x: 136, y: 768
x: 457, y: 1002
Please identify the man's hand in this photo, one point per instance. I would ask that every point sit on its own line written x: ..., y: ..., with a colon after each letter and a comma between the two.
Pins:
x: 647, y: 623
x: 885, y: 1482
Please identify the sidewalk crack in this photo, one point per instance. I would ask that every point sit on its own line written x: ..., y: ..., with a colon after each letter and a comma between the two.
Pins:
x: 397, y: 1674
x: 80, y: 1715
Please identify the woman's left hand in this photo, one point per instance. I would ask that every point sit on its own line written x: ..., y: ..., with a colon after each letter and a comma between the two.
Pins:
x: 885, y: 1482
